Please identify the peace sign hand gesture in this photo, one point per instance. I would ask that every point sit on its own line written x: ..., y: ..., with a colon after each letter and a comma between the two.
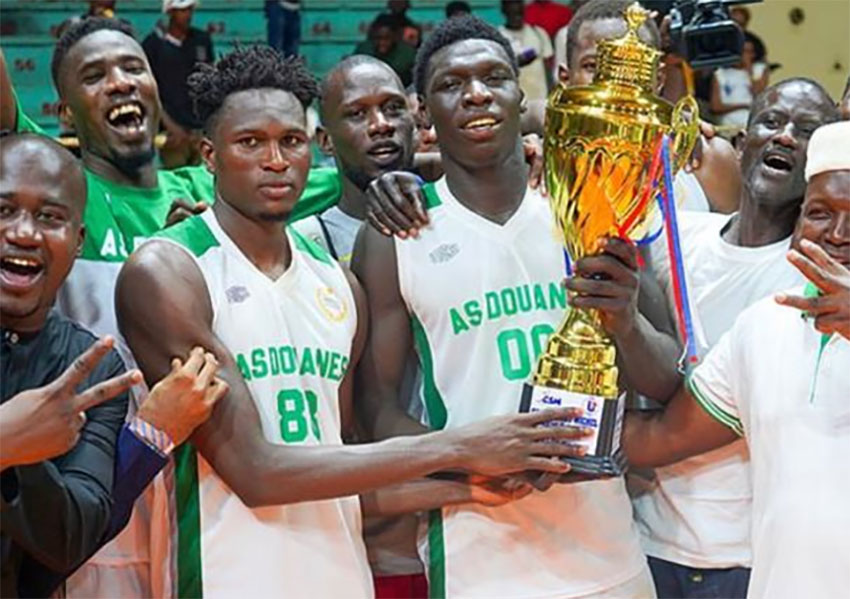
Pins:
x: 42, y: 423
x: 830, y: 309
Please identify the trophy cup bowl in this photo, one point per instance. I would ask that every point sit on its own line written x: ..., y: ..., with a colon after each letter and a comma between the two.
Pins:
x: 600, y: 143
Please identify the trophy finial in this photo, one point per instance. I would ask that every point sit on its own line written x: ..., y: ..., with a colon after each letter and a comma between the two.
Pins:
x: 628, y: 60
x: 636, y: 16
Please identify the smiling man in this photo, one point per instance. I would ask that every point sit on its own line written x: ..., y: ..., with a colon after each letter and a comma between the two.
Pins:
x: 266, y: 492
x: 780, y: 382
x: 695, y: 515
x: 477, y: 295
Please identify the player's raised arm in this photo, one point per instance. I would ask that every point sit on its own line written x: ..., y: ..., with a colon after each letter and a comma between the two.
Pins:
x: 164, y: 309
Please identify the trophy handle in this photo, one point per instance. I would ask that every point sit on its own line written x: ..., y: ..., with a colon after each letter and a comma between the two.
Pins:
x: 685, y: 127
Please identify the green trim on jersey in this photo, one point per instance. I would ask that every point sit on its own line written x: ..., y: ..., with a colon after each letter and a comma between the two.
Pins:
x: 189, y: 576
x: 436, y: 555
x: 23, y: 123
x: 310, y: 247
x: 432, y: 199
x: 434, y: 404
x: 713, y: 411
x: 193, y: 234
x: 322, y: 191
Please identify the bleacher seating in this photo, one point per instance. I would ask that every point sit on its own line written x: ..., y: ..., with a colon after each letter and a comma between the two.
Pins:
x: 329, y: 30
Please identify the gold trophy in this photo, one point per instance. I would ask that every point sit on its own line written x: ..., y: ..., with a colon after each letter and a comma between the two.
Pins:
x: 601, y: 153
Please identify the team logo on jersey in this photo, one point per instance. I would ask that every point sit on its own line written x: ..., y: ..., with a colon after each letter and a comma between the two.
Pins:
x: 236, y: 294
x: 331, y: 305
x: 444, y: 253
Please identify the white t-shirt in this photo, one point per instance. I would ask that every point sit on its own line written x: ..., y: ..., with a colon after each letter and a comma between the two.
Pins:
x: 697, y: 512
x: 532, y: 77
x: 736, y: 87
x: 785, y: 387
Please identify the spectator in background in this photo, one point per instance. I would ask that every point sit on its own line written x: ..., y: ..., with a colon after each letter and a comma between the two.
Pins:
x: 173, y: 49
x: 733, y: 89
x: 549, y: 16
x: 533, y: 50
x: 384, y: 43
x: 283, y: 23
x: 559, y: 40
x: 458, y: 8
x: 741, y: 15
x: 410, y: 32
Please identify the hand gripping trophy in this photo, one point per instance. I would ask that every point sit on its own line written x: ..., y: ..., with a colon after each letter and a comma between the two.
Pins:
x: 602, y: 153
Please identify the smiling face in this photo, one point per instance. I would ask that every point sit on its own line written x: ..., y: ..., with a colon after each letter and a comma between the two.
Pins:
x: 106, y: 83
x: 473, y: 99
x: 369, y: 122
x: 259, y: 152
x: 774, y: 147
x: 825, y: 217
x: 42, y: 195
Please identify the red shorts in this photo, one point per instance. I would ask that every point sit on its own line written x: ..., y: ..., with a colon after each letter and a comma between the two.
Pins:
x: 408, y: 586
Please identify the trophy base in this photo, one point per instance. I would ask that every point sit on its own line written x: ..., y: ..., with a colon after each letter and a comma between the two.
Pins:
x: 604, y: 415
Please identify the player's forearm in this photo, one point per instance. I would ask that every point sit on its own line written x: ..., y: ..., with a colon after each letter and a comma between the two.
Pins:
x: 648, y: 359
x: 679, y: 431
x: 275, y: 474
x: 414, y: 496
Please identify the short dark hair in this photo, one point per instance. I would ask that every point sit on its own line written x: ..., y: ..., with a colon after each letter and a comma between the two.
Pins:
x: 598, y: 10
x: 457, y: 30
x: 832, y: 109
x: 249, y: 67
x: 350, y: 62
x: 77, y: 31
x: 457, y: 7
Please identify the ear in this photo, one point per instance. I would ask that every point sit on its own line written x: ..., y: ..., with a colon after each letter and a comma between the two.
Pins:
x: 422, y: 114
x: 66, y: 116
x: 738, y: 142
x: 323, y: 139
x: 208, y: 154
x: 563, y: 73
x: 523, y: 102
x: 661, y: 79
x: 81, y: 238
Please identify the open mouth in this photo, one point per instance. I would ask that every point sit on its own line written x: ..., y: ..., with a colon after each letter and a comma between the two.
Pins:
x: 384, y: 150
x: 484, y: 123
x: 20, y: 272
x: 778, y: 162
x: 128, y: 117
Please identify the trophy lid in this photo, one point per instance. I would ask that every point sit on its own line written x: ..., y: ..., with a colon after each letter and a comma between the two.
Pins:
x: 627, y: 60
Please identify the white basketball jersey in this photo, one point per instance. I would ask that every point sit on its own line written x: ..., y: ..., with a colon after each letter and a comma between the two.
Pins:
x: 483, y: 300
x: 292, y: 341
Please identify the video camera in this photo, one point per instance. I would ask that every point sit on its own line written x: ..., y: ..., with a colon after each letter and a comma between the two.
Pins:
x: 701, y: 31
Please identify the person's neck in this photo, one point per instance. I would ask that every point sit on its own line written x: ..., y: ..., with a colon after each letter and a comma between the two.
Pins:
x: 353, y: 200
x: 759, y: 222
x: 29, y: 325
x: 143, y: 176
x: 264, y: 243
x: 494, y: 191
x: 177, y: 31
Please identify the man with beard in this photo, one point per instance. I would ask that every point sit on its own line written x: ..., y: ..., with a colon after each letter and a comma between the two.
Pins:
x: 265, y: 492
x: 695, y: 515
x: 478, y: 293
x: 106, y: 88
x: 779, y: 381
x: 62, y: 497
